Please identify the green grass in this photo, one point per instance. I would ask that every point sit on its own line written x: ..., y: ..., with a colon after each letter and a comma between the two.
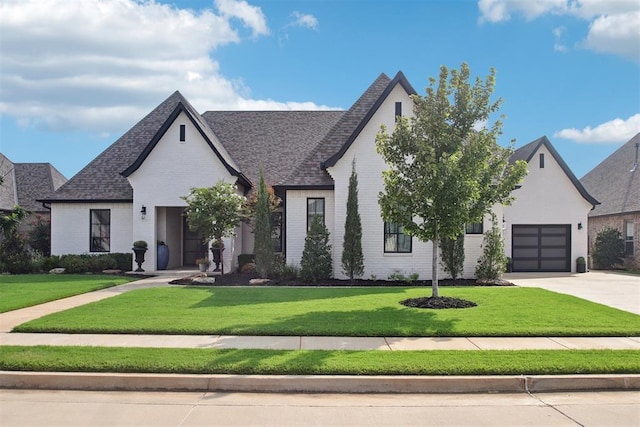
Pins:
x: 21, y: 291
x: 501, y: 311
x: 318, y: 362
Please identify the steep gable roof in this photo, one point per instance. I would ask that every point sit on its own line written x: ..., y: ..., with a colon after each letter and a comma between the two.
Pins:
x: 311, y: 171
x: 35, y: 181
x: 25, y: 183
x: 276, y: 141
x: 613, y: 182
x: 527, y: 152
x: 104, y: 179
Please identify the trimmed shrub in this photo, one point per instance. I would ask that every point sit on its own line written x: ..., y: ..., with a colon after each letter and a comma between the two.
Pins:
x: 608, y: 249
x: 493, y: 262
x: 452, y: 255
x: 316, y: 261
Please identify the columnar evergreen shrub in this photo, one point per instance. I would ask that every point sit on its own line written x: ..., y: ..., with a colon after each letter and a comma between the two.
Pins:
x: 352, y: 258
x: 316, y: 261
x: 608, y: 249
x: 492, y: 264
x: 452, y: 255
x: 14, y: 257
x: 263, y: 248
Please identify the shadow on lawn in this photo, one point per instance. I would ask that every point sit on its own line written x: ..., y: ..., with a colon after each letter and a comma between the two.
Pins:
x: 385, y: 321
x: 225, y: 297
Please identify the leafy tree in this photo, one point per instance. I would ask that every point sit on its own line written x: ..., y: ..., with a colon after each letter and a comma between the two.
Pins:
x: 40, y: 235
x: 215, y: 211
x: 352, y: 258
x: 608, y: 249
x: 263, y: 250
x: 443, y: 173
x: 14, y: 257
x: 452, y: 253
x: 316, y: 261
x: 493, y: 261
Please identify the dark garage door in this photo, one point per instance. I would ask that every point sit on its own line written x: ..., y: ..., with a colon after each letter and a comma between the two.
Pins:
x: 541, y: 247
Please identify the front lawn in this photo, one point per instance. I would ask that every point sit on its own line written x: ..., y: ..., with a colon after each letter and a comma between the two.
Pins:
x: 19, y: 291
x: 500, y: 311
x: 318, y: 362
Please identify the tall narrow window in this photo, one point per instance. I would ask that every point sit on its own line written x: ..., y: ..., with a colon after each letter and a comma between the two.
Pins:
x: 395, y: 240
x: 276, y: 231
x: 100, y: 231
x: 315, y: 207
x: 398, y: 110
x: 628, y: 238
x: 183, y: 131
x: 541, y: 160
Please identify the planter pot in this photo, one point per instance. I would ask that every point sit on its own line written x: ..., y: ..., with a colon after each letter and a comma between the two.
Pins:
x: 139, y: 258
x: 163, y: 257
x: 203, y: 267
x: 581, y: 268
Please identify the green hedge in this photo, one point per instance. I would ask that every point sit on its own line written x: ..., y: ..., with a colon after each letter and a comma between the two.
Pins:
x: 89, y: 263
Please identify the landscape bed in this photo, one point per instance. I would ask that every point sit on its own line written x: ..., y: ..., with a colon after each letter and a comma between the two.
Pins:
x: 500, y: 311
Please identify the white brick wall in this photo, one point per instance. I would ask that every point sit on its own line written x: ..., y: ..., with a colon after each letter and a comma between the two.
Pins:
x: 70, y: 223
x: 296, y: 221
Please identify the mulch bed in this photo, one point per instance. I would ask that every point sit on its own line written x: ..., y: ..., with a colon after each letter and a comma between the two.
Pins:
x: 438, y: 303
x: 242, y: 279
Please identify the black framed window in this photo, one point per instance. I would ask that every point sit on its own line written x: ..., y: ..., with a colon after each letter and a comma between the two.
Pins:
x: 474, y: 228
x: 541, y: 160
x: 628, y: 238
x: 100, y: 230
x: 183, y: 132
x: 276, y: 231
x: 395, y: 240
x: 398, y: 110
x: 315, y: 207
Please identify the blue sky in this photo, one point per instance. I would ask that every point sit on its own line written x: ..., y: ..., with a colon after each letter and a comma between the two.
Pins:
x: 77, y: 74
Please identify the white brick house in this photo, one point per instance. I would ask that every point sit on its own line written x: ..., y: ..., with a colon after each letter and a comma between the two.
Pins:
x: 306, y: 156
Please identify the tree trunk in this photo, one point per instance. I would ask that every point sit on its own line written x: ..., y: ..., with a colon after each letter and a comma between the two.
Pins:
x: 434, y: 267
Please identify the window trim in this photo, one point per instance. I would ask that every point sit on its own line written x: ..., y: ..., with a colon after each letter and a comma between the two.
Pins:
x: 324, y: 206
x: 396, y: 234
x: 629, y: 249
x: 98, y: 248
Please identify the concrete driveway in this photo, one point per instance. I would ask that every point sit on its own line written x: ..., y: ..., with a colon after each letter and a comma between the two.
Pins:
x: 616, y: 290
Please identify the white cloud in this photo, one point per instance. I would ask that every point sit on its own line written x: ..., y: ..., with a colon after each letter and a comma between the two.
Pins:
x: 613, y: 24
x: 304, y: 20
x: 612, y: 132
x: 99, y: 65
x: 558, y: 35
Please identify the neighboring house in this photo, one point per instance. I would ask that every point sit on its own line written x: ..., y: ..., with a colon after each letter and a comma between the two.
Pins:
x: 616, y: 183
x: 546, y: 225
x: 132, y: 191
x: 24, y: 184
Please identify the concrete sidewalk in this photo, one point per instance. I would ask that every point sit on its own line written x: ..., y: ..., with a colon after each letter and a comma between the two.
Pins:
x: 324, y: 343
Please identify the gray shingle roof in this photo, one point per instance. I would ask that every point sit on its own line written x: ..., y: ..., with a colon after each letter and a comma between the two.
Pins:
x: 25, y: 183
x: 613, y: 183
x: 276, y: 141
x: 526, y: 152
x: 35, y: 181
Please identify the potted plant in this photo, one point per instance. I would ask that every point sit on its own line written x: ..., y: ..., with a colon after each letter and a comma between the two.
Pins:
x: 139, y: 248
x: 215, y: 212
x: 163, y: 255
x: 203, y: 264
x: 581, y: 265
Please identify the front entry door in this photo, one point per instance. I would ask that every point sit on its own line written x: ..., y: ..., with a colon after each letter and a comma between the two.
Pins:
x: 193, y: 246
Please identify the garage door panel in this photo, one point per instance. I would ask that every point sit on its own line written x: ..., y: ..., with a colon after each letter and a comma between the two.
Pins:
x: 541, y: 247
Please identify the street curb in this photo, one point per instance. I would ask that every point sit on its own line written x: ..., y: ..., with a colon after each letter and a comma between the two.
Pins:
x: 315, y: 384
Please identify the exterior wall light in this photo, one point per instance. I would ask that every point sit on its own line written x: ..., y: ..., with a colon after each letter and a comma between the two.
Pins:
x: 579, y: 226
x: 143, y: 212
